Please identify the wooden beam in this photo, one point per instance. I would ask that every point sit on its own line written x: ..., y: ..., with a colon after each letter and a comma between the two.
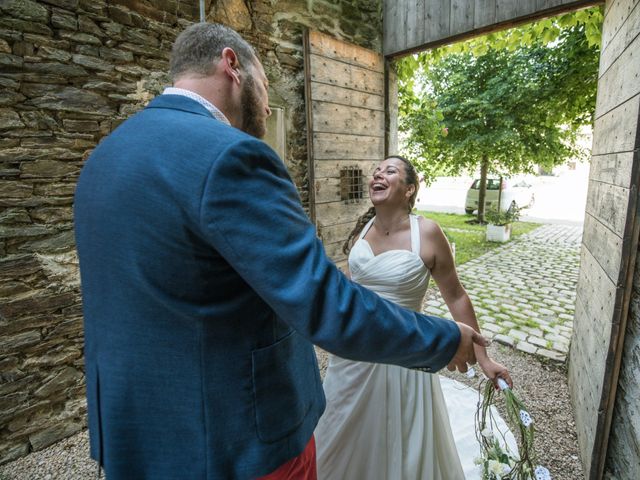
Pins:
x: 334, y: 118
x: 436, y: 34
x: 344, y: 146
x: 306, y: 46
x: 335, y: 72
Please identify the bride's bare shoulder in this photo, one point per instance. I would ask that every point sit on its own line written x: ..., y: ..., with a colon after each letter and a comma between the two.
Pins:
x: 429, y: 228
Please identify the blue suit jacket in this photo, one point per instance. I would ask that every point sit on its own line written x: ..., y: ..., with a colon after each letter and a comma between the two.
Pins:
x: 204, y: 286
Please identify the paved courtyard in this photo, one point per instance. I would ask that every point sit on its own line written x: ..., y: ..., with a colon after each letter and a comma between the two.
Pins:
x: 524, y: 291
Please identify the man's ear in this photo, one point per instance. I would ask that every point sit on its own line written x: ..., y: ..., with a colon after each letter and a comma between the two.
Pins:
x: 231, y: 64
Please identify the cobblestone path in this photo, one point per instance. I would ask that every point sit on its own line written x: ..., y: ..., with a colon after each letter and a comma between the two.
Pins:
x: 524, y: 292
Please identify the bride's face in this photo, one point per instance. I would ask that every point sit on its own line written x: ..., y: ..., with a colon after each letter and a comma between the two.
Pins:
x: 388, y: 184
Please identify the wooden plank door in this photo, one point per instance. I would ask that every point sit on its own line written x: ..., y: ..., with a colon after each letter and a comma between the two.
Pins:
x: 345, y: 98
x: 608, y: 284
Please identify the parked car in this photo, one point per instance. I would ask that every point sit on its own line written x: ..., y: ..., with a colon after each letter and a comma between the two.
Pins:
x: 519, y: 195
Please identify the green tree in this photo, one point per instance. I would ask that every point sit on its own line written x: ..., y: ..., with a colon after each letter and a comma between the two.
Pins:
x: 500, y: 105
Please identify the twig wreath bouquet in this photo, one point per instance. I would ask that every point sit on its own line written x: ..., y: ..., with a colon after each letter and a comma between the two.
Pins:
x: 500, y: 463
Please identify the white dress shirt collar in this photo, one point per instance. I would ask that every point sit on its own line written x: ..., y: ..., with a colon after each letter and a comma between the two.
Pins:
x: 198, y: 98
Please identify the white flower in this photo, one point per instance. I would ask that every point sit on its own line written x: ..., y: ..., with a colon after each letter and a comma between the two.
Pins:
x: 525, y: 418
x: 496, y: 468
x: 487, y: 433
x: 542, y: 473
x: 502, y: 384
x: 471, y: 372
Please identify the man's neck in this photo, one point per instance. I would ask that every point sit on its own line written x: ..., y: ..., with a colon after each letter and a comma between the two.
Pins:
x: 211, y: 91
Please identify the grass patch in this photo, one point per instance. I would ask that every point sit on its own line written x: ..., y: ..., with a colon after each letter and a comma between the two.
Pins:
x: 470, y: 239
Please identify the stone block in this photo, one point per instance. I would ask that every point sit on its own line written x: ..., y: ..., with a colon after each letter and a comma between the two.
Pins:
x: 434, y: 311
x: 86, y: 25
x: 561, y: 347
x: 139, y: 37
x: 71, y: 99
x: 64, y: 21
x: 517, y: 334
x: 14, y: 215
x: 23, y: 26
x: 92, y: 63
x: 67, y: 4
x: 49, y: 215
x: 18, y: 341
x: 490, y: 327
x: 55, y: 68
x: 10, y: 62
x: 48, y: 169
x: 13, y: 450
x: 60, y: 242
x: 54, y: 433
x: 14, y: 189
x: 116, y: 55
x: 9, y: 119
x: 54, y: 189
x: 505, y: 340
x: 551, y: 355
x: 526, y: 347
x: 25, y: 10
x: 59, y: 382
x: 80, y: 37
x: 539, y: 342
x: 17, y: 266
x: 71, y: 328
x: 532, y: 331
x: 11, y: 288
x: 38, y: 302
x: 80, y: 125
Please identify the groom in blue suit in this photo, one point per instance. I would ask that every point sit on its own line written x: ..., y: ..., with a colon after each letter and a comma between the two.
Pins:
x: 204, y: 285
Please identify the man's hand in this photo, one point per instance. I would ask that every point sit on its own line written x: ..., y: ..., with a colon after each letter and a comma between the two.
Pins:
x: 465, y: 355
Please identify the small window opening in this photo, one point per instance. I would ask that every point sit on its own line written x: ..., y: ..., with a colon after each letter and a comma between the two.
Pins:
x: 351, y: 184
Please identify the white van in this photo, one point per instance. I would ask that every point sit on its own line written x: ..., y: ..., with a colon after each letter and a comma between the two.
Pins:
x: 518, y: 195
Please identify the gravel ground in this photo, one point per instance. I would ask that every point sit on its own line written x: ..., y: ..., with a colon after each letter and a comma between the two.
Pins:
x: 540, y: 384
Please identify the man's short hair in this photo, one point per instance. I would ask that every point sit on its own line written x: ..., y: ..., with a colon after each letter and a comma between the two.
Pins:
x: 198, y: 47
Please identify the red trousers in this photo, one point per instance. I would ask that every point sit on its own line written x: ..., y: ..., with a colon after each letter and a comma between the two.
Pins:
x: 302, y: 467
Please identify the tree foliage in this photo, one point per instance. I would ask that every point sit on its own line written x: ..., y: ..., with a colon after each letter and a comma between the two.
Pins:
x: 507, y: 101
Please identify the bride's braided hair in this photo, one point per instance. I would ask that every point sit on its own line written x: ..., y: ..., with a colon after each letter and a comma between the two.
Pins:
x: 411, y: 178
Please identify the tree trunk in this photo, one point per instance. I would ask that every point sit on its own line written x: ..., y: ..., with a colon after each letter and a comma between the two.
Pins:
x: 482, y: 194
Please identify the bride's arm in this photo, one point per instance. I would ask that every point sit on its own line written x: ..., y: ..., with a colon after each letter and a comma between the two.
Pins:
x: 435, y: 252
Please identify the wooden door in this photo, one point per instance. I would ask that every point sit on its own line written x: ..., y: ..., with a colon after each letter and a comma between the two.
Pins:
x: 345, y: 97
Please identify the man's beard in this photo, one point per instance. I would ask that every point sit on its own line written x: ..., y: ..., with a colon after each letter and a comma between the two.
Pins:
x: 252, y: 122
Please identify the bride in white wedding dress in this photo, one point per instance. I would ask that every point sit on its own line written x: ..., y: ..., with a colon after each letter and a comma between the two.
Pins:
x: 383, y: 421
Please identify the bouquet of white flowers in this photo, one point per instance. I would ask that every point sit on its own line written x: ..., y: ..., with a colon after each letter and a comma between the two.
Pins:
x: 500, y: 463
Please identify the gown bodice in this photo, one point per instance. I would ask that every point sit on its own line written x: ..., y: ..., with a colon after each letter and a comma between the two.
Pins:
x: 397, y: 275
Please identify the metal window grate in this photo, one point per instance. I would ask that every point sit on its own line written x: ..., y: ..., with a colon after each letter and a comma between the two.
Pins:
x: 350, y: 184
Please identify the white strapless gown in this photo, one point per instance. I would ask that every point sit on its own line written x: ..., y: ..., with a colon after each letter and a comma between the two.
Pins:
x: 387, y: 422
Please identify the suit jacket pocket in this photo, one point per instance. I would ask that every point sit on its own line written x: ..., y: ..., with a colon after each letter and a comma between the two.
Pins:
x: 284, y: 385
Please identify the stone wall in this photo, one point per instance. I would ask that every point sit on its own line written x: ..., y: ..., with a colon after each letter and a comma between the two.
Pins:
x: 70, y: 72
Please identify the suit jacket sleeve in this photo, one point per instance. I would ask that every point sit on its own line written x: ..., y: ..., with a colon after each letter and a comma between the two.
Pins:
x: 251, y: 213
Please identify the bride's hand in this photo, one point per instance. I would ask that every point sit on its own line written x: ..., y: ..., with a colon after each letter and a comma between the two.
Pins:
x: 493, y: 370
